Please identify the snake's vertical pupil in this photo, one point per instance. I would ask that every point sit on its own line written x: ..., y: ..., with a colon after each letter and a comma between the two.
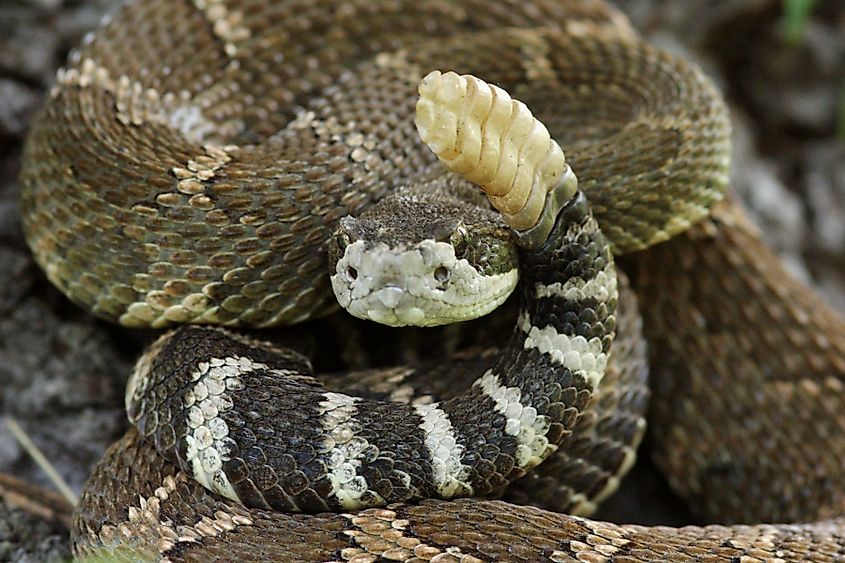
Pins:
x: 352, y: 273
x: 459, y: 241
x: 343, y: 241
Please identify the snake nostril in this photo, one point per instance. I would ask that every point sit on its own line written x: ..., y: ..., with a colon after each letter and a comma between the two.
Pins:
x: 352, y: 273
x: 441, y: 274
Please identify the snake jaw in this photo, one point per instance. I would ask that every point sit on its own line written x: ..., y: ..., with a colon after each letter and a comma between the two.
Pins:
x: 423, y: 284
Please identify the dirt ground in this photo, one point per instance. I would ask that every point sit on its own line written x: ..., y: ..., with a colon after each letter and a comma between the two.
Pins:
x: 62, y: 371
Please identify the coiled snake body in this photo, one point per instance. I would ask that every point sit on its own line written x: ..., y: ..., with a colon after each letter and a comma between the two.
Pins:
x: 190, y: 166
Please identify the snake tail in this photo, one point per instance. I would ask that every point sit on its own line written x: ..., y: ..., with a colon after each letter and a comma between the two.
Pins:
x: 477, y: 130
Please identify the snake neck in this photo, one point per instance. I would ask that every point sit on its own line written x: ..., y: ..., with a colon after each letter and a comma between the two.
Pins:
x: 569, y: 295
x: 559, y: 347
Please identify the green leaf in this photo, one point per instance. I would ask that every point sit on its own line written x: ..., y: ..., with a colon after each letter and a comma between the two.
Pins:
x: 796, y: 13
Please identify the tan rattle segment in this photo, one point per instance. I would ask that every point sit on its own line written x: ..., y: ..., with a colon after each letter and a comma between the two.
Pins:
x: 478, y: 131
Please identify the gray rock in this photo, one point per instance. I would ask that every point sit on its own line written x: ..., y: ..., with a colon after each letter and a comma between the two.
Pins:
x: 62, y: 372
x: 824, y: 179
x: 63, y: 381
x: 10, y: 223
x: 17, y: 104
x: 28, y: 46
x: 26, y: 539
x: 17, y: 280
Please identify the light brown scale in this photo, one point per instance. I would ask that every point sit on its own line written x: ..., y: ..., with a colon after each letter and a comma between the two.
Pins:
x: 774, y: 374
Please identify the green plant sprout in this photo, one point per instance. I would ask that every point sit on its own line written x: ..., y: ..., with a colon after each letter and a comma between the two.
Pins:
x: 796, y: 13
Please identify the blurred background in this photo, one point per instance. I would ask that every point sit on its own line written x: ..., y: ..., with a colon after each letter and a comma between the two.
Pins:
x: 780, y: 63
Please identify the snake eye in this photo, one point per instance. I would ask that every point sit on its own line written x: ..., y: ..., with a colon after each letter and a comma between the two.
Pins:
x: 342, y: 240
x: 460, y: 241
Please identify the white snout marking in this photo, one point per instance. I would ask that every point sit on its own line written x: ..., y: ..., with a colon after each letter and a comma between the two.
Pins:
x: 399, y: 287
x: 390, y: 296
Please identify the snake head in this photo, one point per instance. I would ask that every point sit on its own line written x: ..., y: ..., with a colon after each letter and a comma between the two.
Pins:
x: 422, y: 260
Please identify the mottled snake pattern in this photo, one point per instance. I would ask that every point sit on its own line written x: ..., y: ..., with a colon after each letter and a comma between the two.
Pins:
x: 190, y: 165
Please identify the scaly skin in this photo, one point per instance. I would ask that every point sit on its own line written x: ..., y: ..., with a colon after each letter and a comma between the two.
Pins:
x: 718, y: 460
x: 195, y: 173
x: 162, y: 219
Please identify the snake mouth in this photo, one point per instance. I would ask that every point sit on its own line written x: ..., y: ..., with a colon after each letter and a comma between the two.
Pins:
x: 419, y: 285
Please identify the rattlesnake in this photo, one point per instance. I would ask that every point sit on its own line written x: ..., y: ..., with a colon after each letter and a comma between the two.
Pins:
x: 174, y: 235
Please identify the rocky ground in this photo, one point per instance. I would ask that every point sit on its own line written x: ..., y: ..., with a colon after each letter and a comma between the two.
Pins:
x: 62, y: 371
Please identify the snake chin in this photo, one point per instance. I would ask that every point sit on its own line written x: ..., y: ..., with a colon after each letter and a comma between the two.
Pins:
x: 423, y: 284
